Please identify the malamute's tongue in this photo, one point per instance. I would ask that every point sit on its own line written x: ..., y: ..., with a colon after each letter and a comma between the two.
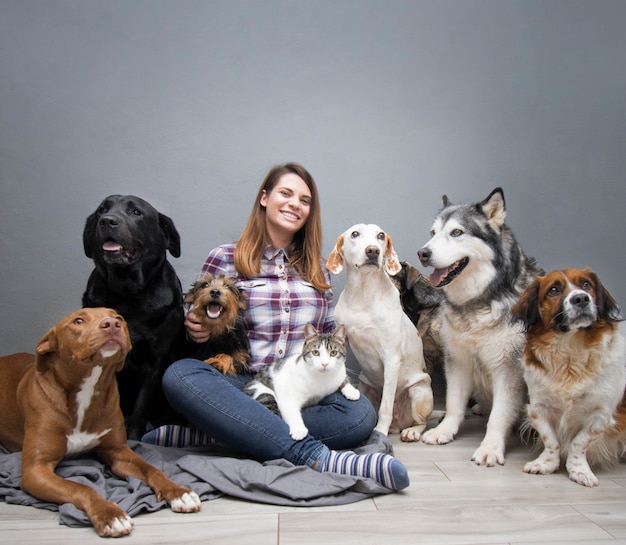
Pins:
x: 438, y: 276
x: 110, y: 246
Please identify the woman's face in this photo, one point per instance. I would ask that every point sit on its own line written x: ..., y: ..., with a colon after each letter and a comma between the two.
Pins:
x: 287, y: 208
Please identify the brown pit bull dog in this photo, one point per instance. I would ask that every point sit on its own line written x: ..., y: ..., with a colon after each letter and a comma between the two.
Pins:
x: 64, y: 401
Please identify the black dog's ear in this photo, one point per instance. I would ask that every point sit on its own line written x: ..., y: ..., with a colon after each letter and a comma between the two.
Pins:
x: 527, y: 307
x: 608, y: 309
x: 88, y: 235
x: 446, y: 201
x: 171, y: 234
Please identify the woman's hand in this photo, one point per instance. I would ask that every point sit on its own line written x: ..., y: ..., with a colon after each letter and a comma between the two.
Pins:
x: 195, y: 331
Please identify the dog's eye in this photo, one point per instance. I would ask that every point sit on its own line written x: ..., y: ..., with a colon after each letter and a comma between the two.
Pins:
x: 134, y: 212
x: 554, y: 292
x: 354, y: 234
x: 587, y: 286
x: 456, y: 233
x: 381, y: 236
x: 79, y: 321
x: 103, y: 210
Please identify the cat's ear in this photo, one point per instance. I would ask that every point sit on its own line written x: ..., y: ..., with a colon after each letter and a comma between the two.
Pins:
x: 340, y: 334
x: 309, y: 331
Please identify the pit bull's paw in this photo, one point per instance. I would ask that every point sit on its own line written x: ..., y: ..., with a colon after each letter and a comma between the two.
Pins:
x: 109, y: 520
x: 189, y: 502
x: 118, y: 527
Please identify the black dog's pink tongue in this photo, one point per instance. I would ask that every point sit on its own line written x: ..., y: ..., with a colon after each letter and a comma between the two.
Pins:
x: 438, y: 275
x: 110, y: 246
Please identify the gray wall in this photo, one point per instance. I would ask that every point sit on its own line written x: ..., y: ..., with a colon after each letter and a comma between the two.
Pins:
x: 389, y: 104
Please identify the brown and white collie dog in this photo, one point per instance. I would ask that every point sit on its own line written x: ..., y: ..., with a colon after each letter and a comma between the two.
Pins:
x: 574, y: 366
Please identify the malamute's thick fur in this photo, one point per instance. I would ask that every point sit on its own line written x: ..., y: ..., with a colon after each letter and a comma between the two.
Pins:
x: 482, y: 271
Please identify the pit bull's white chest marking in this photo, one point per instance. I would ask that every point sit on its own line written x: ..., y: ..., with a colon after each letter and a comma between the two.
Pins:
x: 79, y: 441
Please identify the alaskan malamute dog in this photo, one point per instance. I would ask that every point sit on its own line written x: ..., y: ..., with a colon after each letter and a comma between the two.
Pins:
x: 482, y: 271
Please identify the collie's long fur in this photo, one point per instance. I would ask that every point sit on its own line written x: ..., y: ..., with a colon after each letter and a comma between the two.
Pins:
x: 574, y: 368
x: 481, y: 270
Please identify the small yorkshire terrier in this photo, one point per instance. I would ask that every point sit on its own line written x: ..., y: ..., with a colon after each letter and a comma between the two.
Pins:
x: 218, y: 303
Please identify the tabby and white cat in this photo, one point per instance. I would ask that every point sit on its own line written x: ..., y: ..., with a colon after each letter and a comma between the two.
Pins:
x: 291, y: 383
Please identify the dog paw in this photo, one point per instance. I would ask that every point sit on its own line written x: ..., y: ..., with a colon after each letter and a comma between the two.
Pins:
x: 438, y: 436
x: 487, y: 457
x: 580, y: 472
x: 189, y: 502
x: 119, y: 526
x: 298, y: 433
x: 541, y: 466
x: 586, y: 478
x: 412, y: 434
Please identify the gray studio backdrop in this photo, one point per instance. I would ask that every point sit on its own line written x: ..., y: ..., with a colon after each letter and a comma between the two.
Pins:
x: 388, y: 103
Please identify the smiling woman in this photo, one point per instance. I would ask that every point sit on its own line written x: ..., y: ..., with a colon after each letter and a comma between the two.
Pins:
x: 287, y: 207
x: 277, y: 264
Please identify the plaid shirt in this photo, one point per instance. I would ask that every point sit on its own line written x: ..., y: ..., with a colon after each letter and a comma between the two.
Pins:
x: 280, y: 304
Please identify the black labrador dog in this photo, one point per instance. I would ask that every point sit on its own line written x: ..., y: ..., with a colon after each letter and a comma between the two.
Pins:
x: 128, y: 240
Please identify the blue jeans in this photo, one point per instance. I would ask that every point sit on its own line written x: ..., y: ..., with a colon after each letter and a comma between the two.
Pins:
x: 215, y: 404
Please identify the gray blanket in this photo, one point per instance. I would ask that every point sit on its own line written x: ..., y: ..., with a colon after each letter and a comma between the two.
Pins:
x: 211, y: 473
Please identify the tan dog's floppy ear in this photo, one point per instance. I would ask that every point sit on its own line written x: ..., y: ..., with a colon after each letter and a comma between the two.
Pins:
x: 47, y: 345
x: 527, y: 307
x: 391, y: 261
x: 335, y: 259
x: 608, y: 309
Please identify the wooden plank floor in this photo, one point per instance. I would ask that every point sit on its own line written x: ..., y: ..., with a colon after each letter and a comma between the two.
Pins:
x: 451, y: 501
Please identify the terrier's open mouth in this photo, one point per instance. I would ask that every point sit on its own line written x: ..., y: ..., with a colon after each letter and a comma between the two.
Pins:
x: 442, y: 277
x: 214, y: 311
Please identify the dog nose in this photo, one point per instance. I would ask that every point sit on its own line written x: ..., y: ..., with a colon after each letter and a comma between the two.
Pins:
x: 108, y: 221
x: 215, y: 294
x: 424, y: 255
x: 580, y: 300
x: 372, y: 251
x: 111, y: 323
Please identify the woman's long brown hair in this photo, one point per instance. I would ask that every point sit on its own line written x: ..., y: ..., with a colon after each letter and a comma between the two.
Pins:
x: 305, y: 252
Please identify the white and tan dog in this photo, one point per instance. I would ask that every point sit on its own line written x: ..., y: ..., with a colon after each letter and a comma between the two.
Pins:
x: 382, y: 337
x: 574, y: 367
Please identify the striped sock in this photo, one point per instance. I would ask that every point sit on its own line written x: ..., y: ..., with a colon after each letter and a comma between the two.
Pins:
x: 172, y: 435
x: 383, y: 468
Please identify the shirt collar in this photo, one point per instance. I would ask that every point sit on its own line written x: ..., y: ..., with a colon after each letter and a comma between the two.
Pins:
x: 271, y: 253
